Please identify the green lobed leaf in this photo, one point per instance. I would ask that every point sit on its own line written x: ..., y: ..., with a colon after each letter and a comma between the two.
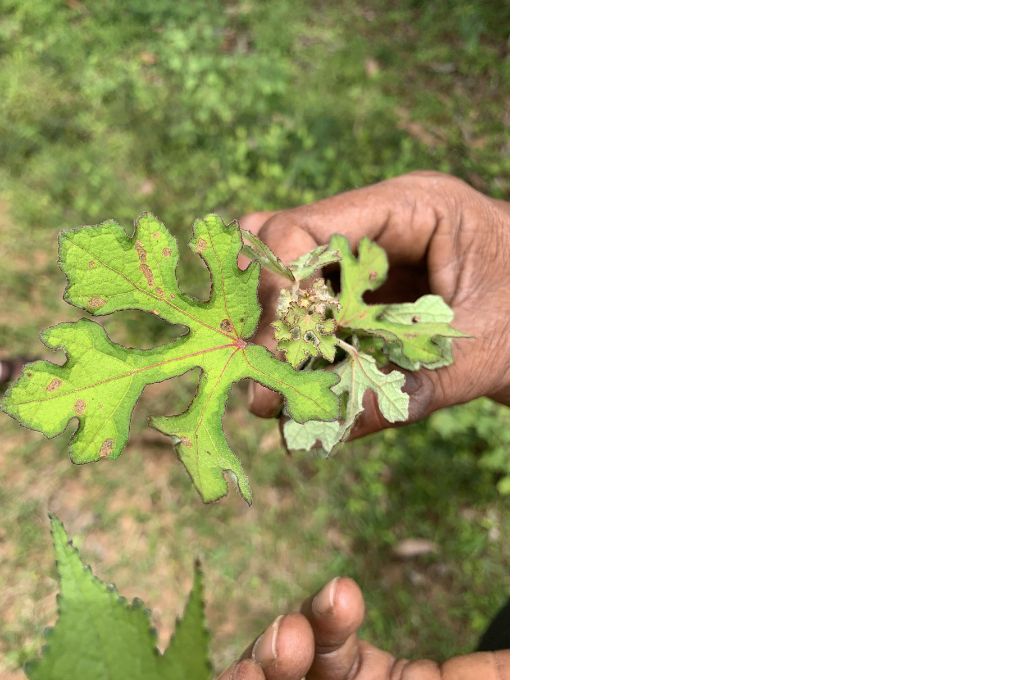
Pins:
x: 357, y: 375
x: 429, y: 309
x: 416, y: 334
x: 100, y: 636
x: 307, y: 265
x: 316, y: 435
x: 101, y: 381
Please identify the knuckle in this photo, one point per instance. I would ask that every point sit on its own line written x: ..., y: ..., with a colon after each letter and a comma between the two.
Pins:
x: 437, y: 182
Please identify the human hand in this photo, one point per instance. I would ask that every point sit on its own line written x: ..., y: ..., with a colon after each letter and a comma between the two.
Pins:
x: 441, y: 236
x: 321, y: 643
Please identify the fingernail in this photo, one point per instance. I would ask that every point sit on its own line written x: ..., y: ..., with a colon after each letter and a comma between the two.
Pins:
x: 323, y: 603
x: 264, y: 652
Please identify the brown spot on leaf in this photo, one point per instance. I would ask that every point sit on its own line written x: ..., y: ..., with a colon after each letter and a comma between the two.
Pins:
x: 108, y: 446
x: 186, y: 441
x: 54, y: 384
x: 159, y: 292
x: 415, y: 318
x: 80, y: 407
x: 373, y: 276
x: 146, y: 271
x: 92, y: 264
x: 172, y: 296
x: 166, y: 252
x: 227, y: 326
x: 200, y: 245
x: 96, y: 302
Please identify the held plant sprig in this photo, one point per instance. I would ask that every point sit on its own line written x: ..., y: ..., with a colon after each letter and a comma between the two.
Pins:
x: 101, y: 381
x: 313, y: 324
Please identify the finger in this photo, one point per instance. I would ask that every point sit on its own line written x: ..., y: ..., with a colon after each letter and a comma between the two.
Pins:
x: 247, y: 669
x: 336, y: 613
x: 420, y: 669
x: 401, y: 214
x: 478, y: 666
x: 285, y: 649
x: 374, y: 664
x: 254, y: 220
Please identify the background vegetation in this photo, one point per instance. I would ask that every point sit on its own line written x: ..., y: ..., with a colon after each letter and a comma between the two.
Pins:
x: 183, y: 107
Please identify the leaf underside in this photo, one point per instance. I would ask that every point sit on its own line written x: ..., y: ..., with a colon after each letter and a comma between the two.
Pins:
x: 100, y: 636
x: 101, y: 381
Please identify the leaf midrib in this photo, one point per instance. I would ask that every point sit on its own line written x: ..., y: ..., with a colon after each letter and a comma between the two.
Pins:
x: 124, y: 375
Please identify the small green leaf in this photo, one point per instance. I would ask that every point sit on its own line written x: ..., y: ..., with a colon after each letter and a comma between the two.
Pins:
x: 429, y: 309
x: 316, y: 259
x: 316, y: 435
x: 261, y: 252
x: 101, y: 381
x: 100, y: 636
x: 417, y: 334
x: 358, y: 374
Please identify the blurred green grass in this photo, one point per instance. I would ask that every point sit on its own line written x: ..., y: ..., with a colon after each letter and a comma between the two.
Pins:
x: 184, y: 108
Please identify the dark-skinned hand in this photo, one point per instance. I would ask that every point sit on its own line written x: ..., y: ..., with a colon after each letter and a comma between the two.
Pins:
x: 321, y: 643
x: 442, y: 237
